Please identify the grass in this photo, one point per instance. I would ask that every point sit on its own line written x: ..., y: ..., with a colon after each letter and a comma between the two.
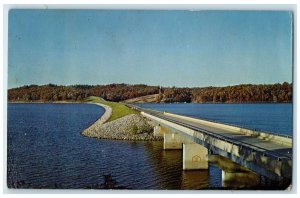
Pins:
x: 118, y: 110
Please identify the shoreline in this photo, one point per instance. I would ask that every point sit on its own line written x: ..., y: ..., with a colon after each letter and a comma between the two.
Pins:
x: 132, y: 127
x: 78, y: 102
x: 104, y: 117
x: 45, y: 102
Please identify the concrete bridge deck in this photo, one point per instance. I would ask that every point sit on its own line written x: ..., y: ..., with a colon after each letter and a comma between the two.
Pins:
x: 271, y: 147
x: 266, y: 154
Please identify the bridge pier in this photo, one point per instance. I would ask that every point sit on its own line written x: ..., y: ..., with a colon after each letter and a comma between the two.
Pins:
x: 195, y: 157
x: 172, y: 141
x: 158, y: 131
x: 234, y: 175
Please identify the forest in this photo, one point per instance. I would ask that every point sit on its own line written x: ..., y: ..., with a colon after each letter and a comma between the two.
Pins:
x: 245, y: 93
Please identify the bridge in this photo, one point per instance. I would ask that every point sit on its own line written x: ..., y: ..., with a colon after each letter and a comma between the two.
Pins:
x: 267, y: 154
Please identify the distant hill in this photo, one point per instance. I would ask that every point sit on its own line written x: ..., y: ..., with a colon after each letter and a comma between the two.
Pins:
x: 245, y: 93
x: 51, y: 92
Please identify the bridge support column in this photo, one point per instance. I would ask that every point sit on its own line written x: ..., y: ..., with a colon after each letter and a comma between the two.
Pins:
x: 195, y: 157
x: 158, y: 131
x: 172, y: 141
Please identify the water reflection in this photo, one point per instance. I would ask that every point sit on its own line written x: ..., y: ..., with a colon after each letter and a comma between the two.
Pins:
x: 239, y: 179
x: 165, y: 165
x: 168, y: 169
x: 195, y: 179
x: 233, y: 175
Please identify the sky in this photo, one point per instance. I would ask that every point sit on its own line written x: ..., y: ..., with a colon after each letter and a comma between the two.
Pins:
x: 166, y: 48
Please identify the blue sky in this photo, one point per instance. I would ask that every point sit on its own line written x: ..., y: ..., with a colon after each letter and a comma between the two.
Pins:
x: 168, y: 48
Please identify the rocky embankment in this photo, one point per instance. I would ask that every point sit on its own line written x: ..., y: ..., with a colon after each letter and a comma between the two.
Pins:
x: 131, y: 127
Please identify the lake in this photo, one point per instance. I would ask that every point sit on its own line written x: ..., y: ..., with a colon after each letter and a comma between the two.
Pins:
x: 46, y: 150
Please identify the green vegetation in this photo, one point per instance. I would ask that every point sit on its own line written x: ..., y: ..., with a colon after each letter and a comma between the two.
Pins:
x: 118, y: 110
x: 134, y: 129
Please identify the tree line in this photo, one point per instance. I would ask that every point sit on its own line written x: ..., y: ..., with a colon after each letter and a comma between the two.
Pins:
x: 52, y: 92
x: 245, y: 93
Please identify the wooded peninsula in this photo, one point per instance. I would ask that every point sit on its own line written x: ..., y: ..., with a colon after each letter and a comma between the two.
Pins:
x: 244, y: 93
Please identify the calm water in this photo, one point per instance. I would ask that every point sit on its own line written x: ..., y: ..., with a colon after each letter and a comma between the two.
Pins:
x: 46, y: 150
x: 277, y: 118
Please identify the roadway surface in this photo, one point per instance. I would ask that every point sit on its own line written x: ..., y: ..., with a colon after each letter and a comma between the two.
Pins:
x: 265, y: 146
